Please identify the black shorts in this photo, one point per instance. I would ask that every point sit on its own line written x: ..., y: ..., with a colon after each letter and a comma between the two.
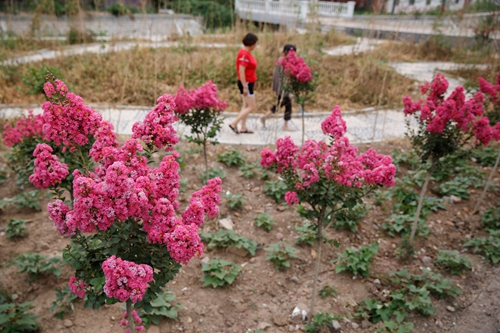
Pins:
x: 249, y: 85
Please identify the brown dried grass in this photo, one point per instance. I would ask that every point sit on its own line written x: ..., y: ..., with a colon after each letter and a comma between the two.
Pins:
x: 138, y: 76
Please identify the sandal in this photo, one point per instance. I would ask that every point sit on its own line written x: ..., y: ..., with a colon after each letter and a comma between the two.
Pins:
x: 235, y: 130
x: 247, y: 132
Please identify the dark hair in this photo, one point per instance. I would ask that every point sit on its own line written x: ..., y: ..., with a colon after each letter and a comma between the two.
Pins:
x: 288, y: 48
x: 250, y: 39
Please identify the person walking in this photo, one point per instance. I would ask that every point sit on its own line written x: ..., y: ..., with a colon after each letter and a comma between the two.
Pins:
x: 284, y: 99
x: 245, y: 70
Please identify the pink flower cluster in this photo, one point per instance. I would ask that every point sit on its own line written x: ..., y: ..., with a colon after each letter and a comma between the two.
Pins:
x: 48, y: 170
x: 69, y: 123
x: 295, y: 66
x: 27, y: 127
x: 157, y: 128
x: 339, y: 162
x: 334, y: 125
x: 77, y: 286
x: 137, y: 320
x: 125, y: 279
x: 491, y: 90
x: 203, y: 98
x: 125, y: 187
x: 438, y: 112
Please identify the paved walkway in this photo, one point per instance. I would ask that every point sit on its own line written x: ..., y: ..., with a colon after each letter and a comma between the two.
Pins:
x: 362, y: 126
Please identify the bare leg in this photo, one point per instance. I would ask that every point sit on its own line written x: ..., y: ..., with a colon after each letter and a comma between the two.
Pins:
x: 249, y: 105
x: 265, y: 117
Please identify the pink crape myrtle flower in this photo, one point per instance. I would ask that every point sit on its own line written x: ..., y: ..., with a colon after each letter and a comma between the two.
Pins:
x: 337, y: 162
x: 58, y: 213
x: 125, y: 279
x: 291, y: 198
x: 77, y: 286
x: 137, y: 320
x: 69, y: 124
x: 183, y: 243
x: 438, y: 112
x: 203, y: 98
x: 48, y: 170
x: 28, y: 127
x: 296, y: 67
x: 157, y: 128
x: 491, y: 90
x: 334, y: 125
x: 105, y: 138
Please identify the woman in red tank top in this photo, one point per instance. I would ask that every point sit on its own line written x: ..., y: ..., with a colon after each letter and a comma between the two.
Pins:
x: 245, y: 69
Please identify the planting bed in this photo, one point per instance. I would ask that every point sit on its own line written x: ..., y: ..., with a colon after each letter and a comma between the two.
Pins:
x: 261, y: 296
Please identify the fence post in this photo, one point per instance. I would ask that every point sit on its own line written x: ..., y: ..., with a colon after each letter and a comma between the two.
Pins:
x: 350, y: 8
x: 268, y: 6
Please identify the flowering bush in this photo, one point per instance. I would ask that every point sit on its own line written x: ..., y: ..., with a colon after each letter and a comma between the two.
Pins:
x: 492, y: 94
x: 327, y: 176
x: 200, y: 110
x: 299, y: 80
x: 445, y: 125
x: 127, y: 240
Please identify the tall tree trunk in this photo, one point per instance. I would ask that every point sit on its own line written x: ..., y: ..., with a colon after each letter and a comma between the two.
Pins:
x: 130, y: 317
x: 419, y: 206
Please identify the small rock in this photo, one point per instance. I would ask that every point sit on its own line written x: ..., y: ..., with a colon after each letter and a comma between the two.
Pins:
x: 14, y: 297
x: 112, y: 317
x: 439, y: 323
x: 280, y: 320
x: 226, y: 224
x: 454, y: 199
x: 205, y: 261
x: 43, y: 245
x: 365, y: 324
x: 346, y: 320
x: 201, y: 320
x: 279, y: 236
x: 336, y: 326
x: 354, y: 326
x: 263, y: 325
x: 376, y: 281
x: 255, y: 189
x: 68, y: 323
x: 375, y: 227
x: 253, y: 260
x: 249, y: 208
x: 450, y: 308
x: 427, y: 261
x: 295, y: 279
x: 281, y: 208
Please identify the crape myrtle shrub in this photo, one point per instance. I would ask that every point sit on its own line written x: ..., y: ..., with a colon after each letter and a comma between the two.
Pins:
x: 127, y: 238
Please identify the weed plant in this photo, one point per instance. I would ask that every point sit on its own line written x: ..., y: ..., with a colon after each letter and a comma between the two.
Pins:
x: 218, y: 273
x: 455, y: 263
x: 64, y: 302
x: 162, y: 307
x: 231, y: 157
x: 321, y: 322
x: 280, y: 254
x: 328, y: 291
x: 16, y: 228
x: 225, y: 238
x: 275, y: 189
x: 235, y: 201
x: 265, y: 221
x: 488, y: 247
x: 16, y: 318
x: 36, y: 264
x: 212, y: 173
x: 356, y: 261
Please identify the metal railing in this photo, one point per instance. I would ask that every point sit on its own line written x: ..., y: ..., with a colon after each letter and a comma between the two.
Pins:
x: 291, y: 12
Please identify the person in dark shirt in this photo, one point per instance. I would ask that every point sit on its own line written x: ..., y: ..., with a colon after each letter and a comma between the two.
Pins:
x: 284, y: 99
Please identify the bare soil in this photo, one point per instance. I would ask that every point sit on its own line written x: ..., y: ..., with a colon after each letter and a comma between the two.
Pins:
x: 262, y: 294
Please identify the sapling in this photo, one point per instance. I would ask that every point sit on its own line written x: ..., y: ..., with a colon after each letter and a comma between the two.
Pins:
x: 127, y: 241
x: 200, y: 109
x: 327, y: 177
x: 299, y: 80
x: 445, y: 124
x: 492, y: 93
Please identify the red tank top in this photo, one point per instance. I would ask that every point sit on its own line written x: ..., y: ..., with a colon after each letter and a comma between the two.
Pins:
x: 245, y: 59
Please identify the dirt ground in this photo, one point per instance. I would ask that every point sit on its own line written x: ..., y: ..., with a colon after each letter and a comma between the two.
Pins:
x: 263, y: 296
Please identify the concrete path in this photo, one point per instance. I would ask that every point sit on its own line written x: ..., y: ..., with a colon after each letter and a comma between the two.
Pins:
x: 362, y: 126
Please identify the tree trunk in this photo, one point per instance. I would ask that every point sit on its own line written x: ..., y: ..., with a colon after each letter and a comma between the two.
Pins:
x: 476, y: 208
x: 303, y: 126
x: 419, y: 207
x: 319, y: 241
x: 206, y: 161
x: 130, y: 317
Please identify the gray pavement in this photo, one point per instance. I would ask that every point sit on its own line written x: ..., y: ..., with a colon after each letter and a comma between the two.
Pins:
x: 362, y: 126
